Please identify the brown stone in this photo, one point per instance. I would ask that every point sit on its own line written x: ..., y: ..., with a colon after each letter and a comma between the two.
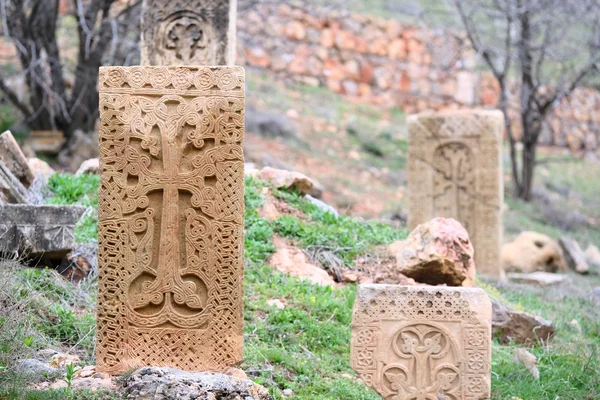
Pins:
x: 437, y: 252
x: 12, y: 156
x: 46, y: 142
x: 258, y: 57
x: 434, y: 341
x: 40, y: 167
x: 532, y: 251
x: 280, y: 178
x: 171, y: 215
x: 519, y: 327
x: 295, y: 30
x: 199, y: 32
x: 455, y: 170
x: 397, y: 49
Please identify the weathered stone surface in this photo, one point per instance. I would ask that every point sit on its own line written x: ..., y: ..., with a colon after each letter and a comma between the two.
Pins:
x: 574, y: 256
x: 188, y: 32
x: 455, y: 170
x: 532, y: 251
x: 434, y: 341
x: 40, y: 167
x: 31, y: 366
x: 171, y: 384
x: 91, y: 166
x: 509, y: 325
x: 292, y: 260
x: 39, y: 231
x: 12, y: 156
x: 437, y: 252
x: 280, y: 178
x: 171, y: 214
x: 12, y: 189
x: 539, y: 278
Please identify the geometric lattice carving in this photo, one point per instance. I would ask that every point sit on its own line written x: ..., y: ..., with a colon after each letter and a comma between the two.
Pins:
x: 171, y: 209
x: 188, y: 32
x: 413, y: 343
x: 455, y: 170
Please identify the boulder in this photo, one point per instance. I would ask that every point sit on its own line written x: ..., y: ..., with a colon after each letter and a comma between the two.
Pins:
x: 40, y: 167
x: 31, y: 366
x: 172, y: 384
x: 91, y: 166
x: 291, y: 260
x: 530, y: 252
x: 39, y: 231
x: 509, y: 325
x: 538, y: 278
x: 437, y: 252
x: 282, y: 179
x: 574, y: 255
x: 322, y: 205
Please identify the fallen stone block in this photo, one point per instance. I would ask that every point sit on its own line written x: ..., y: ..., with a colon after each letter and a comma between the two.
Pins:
x: 12, y: 156
x: 574, y: 255
x: 173, y: 384
x: 46, y: 142
x: 45, y: 232
x: 12, y: 188
x: 532, y: 251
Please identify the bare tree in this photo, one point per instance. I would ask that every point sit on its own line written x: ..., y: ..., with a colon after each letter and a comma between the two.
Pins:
x: 546, y: 48
x: 53, y: 102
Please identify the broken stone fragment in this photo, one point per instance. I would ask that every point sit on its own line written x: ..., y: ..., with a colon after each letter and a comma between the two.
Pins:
x: 40, y: 167
x: 519, y: 327
x: 12, y: 156
x: 532, y: 251
x: 437, y: 252
x: 91, y: 166
x: 11, y: 187
x: 173, y: 384
x: 282, y: 179
x: 45, y: 232
x: 574, y: 255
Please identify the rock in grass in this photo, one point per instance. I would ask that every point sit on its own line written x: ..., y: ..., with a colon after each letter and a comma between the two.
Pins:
x: 530, y: 252
x: 437, y: 252
x: 282, y: 179
x: 31, y: 366
x: 519, y: 327
x: 574, y: 255
x: 592, y: 256
x: 538, y: 278
x: 173, y: 384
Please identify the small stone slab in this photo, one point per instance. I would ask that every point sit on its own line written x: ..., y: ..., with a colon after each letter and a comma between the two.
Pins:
x: 537, y: 278
x: 39, y: 231
x: 46, y: 142
x: 422, y: 342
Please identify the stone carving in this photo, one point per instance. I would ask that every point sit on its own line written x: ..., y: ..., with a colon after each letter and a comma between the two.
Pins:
x: 422, y: 343
x: 455, y: 170
x: 188, y: 32
x: 170, y: 218
x: 39, y: 232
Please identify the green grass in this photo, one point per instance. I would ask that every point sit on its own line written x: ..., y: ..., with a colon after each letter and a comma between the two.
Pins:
x: 79, y: 190
x: 305, y: 346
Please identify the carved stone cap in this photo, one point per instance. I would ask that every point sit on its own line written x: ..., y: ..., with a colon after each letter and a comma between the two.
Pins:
x: 460, y: 123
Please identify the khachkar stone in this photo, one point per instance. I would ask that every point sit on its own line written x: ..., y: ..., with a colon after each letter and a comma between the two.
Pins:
x: 455, y: 170
x: 423, y: 343
x: 171, y: 209
x: 188, y: 32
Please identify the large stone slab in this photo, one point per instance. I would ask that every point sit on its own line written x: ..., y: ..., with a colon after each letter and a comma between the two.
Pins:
x: 171, y: 209
x: 38, y: 231
x: 455, y: 170
x: 188, y: 32
x: 423, y: 342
